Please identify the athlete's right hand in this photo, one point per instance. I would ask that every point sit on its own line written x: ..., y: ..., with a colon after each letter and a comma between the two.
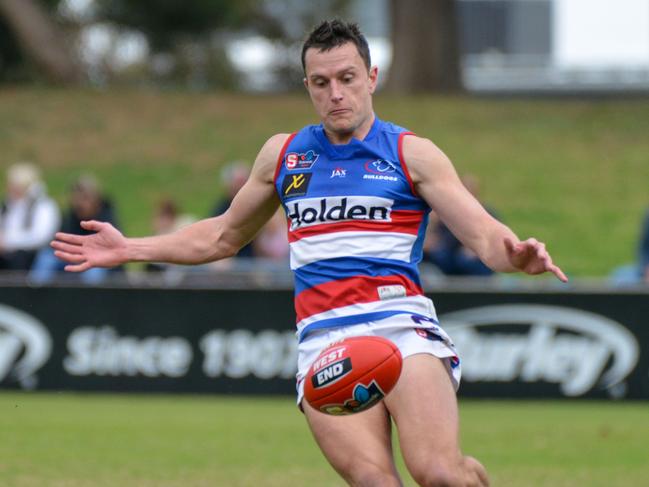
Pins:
x: 104, y: 248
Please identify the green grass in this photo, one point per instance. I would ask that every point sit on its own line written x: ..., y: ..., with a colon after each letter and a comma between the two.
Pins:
x: 132, y: 440
x: 572, y: 172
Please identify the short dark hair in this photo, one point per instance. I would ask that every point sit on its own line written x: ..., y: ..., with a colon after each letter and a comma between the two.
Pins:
x: 334, y: 33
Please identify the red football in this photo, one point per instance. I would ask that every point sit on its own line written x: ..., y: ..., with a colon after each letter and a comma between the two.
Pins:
x: 352, y: 375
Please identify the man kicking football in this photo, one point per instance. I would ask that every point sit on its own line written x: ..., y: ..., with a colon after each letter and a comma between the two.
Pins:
x: 357, y: 191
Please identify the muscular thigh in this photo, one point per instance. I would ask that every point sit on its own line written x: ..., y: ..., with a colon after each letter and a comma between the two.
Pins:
x: 424, y: 408
x: 358, y: 445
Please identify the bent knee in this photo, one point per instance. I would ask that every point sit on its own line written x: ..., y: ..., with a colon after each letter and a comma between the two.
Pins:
x: 451, y: 474
x: 440, y: 477
x: 370, y: 475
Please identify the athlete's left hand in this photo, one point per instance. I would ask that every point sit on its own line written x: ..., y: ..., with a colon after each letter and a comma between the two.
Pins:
x: 531, y: 257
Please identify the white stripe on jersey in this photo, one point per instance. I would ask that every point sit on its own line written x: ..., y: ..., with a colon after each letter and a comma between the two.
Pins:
x: 380, y: 245
x: 415, y: 304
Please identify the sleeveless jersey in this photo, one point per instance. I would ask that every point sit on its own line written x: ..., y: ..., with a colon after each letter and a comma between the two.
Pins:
x: 355, y: 228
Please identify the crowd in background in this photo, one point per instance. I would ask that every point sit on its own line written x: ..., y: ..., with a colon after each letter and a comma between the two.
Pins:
x: 29, y: 218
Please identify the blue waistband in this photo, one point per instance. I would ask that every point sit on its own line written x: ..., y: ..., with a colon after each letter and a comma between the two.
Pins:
x: 360, y: 318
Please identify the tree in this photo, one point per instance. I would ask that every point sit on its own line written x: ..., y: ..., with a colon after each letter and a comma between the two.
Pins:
x: 165, y: 22
x: 40, y: 40
x: 187, y: 36
x: 202, y: 27
x: 426, y: 55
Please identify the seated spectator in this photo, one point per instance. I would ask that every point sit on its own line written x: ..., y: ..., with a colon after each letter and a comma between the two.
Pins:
x: 637, y: 272
x: 643, y: 251
x: 271, y: 242
x: 86, y: 203
x: 28, y: 217
x: 446, y: 252
x: 233, y: 176
x: 166, y: 219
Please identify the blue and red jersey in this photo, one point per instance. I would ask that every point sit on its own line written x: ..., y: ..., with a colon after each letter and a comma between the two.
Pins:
x: 355, y: 228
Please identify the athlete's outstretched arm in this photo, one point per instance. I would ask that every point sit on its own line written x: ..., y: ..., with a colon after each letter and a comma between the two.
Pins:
x: 204, y: 241
x: 437, y: 182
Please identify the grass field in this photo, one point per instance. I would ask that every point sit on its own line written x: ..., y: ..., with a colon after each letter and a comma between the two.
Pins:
x: 572, y: 171
x: 75, y: 440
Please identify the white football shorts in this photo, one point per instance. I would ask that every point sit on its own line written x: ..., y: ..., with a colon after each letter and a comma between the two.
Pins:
x: 410, y: 338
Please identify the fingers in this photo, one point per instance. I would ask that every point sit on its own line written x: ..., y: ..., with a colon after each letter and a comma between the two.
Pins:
x: 559, y: 273
x: 541, y: 252
x: 66, y: 247
x: 93, y: 225
x: 549, y: 266
x: 538, y: 259
x: 78, y: 267
x: 509, y: 245
x: 69, y: 248
x: 78, y: 262
x: 73, y: 258
x: 69, y: 238
x: 531, y: 247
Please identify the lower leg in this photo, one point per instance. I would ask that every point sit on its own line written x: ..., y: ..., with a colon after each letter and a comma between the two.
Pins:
x: 424, y: 407
x: 358, y: 447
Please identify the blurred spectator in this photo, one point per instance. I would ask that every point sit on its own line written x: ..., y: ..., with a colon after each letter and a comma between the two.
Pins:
x: 166, y: 219
x: 272, y: 241
x: 28, y: 217
x: 643, y: 250
x: 233, y: 176
x: 638, y: 272
x: 86, y: 203
x: 446, y: 252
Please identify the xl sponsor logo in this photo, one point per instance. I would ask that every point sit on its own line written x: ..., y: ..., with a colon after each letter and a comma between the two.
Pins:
x: 296, y: 184
x: 25, y: 346
x: 578, y: 350
x: 314, y: 211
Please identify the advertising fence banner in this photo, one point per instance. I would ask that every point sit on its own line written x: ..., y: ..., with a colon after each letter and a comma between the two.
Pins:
x: 511, y: 344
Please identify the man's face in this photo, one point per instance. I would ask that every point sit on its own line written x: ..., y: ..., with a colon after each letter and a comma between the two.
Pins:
x: 86, y: 205
x: 16, y: 191
x: 340, y: 87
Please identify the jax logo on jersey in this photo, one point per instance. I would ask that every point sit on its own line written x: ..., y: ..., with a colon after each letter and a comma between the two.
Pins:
x: 304, y: 160
x: 315, y: 211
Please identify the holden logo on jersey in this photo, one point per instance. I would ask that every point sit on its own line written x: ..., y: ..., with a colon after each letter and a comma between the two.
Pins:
x: 339, y: 173
x: 295, y: 184
x: 314, y: 211
x: 305, y: 160
x: 380, y: 169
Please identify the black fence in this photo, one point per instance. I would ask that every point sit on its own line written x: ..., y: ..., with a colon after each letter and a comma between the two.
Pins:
x: 536, y: 344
